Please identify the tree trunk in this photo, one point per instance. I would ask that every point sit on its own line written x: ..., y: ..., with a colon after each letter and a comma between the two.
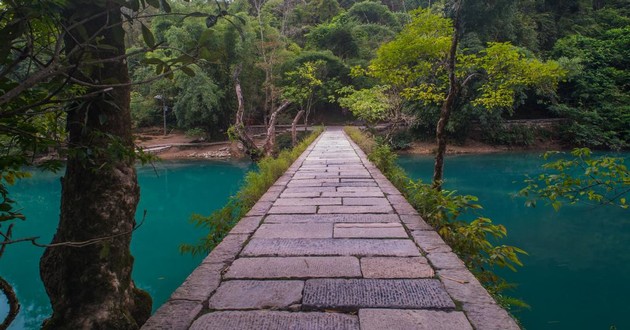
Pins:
x: 248, y: 144
x: 90, y: 287
x: 294, y: 127
x: 270, y: 142
x: 448, y: 105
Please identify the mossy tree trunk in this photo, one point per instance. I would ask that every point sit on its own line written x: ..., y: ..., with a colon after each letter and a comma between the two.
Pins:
x: 90, y: 287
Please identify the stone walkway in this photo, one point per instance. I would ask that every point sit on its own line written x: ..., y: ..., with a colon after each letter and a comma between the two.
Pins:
x: 331, y: 245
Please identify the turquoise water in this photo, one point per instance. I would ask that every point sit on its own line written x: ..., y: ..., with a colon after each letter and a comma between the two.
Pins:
x: 577, y: 274
x: 170, y: 194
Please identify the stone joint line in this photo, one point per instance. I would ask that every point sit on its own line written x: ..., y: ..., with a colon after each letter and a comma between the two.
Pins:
x: 331, y: 245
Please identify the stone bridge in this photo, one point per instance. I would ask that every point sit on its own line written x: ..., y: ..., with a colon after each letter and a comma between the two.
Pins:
x: 331, y: 245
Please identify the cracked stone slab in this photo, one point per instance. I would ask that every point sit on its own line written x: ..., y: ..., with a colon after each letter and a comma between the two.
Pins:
x: 355, y: 209
x: 273, y: 320
x: 366, y: 201
x: 294, y: 267
x: 256, y: 294
x: 401, y: 319
x: 305, y: 194
x: 389, y: 267
x: 331, y: 218
x: 464, y: 287
x: 331, y: 247
x: 353, y: 194
x: 490, y: 317
x: 295, y: 230
x: 353, y: 294
x: 369, y: 230
x: 200, y: 284
x: 307, y: 201
x: 174, y: 315
x: 298, y: 209
x: 430, y: 241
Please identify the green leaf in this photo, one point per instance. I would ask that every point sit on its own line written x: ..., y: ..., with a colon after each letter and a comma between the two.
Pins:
x: 153, y: 60
x: 154, y: 3
x: 188, y: 71
x: 147, y: 35
x: 165, y: 6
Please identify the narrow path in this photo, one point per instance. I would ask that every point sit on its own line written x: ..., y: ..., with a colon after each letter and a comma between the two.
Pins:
x: 331, y: 245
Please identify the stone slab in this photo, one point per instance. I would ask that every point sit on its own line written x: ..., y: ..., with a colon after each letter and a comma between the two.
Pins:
x: 260, y: 208
x: 331, y: 218
x: 464, y: 287
x: 291, y: 190
x: 401, y: 319
x: 294, y: 267
x: 404, y: 208
x: 446, y: 260
x: 292, y: 209
x: 369, y: 230
x: 355, y: 209
x: 415, y: 222
x: 370, y: 183
x: 273, y: 320
x: 247, y: 225
x: 430, y: 241
x: 307, y: 201
x: 358, y: 189
x: 353, y: 194
x: 227, y: 250
x: 489, y: 317
x: 174, y: 315
x: 200, y: 284
x: 331, y: 247
x: 366, y: 201
x: 388, y: 267
x: 256, y: 294
x: 295, y: 230
x: 353, y: 294
x: 305, y: 194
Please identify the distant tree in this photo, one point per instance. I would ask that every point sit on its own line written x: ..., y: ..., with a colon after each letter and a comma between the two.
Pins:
x: 421, y: 61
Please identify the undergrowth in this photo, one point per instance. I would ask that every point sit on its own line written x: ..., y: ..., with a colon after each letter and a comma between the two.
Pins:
x: 257, y: 182
x: 475, y: 242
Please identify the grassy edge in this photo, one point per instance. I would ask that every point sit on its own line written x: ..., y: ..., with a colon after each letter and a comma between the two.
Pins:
x: 257, y: 182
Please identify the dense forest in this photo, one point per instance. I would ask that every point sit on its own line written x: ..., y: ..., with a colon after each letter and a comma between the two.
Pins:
x: 316, y: 53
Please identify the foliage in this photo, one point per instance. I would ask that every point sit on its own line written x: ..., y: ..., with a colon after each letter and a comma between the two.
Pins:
x: 220, y: 222
x: 582, y: 178
x: 473, y: 241
x: 371, y: 105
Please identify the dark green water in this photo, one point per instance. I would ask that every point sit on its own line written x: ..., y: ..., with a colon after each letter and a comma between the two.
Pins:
x: 170, y: 196
x: 577, y: 274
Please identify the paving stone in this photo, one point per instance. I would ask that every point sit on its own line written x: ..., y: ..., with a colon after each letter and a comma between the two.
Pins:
x: 294, y: 267
x: 446, y: 260
x: 273, y: 320
x: 256, y: 294
x: 430, y: 241
x: 366, y: 201
x: 464, y: 287
x: 331, y: 247
x: 331, y: 218
x: 295, y: 230
x: 404, y: 208
x: 260, y: 208
x: 414, y: 222
x: 355, y: 209
x: 246, y: 225
x: 292, y: 209
x: 390, y: 267
x: 174, y: 315
x: 307, y: 201
x: 354, y: 194
x: 353, y: 294
x: 307, y: 189
x: 200, y: 283
x: 359, y: 189
x: 489, y: 317
x: 405, y: 319
x: 349, y: 184
x: 304, y: 194
x: 369, y: 230
x: 227, y: 250
x: 270, y: 196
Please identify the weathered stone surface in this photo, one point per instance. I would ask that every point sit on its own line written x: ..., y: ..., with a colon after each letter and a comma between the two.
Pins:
x: 273, y: 320
x: 295, y: 230
x: 430, y: 241
x: 366, y: 201
x: 405, y: 319
x: 294, y: 267
x: 260, y: 208
x: 270, y: 196
x: 389, y: 267
x: 464, y: 287
x: 292, y: 209
x: 353, y: 194
x: 227, y: 250
x: 404, y: 208
x: 305, y: 194
x: 307, y: 201
x: 415, y: 222
x: 331, y: 218
x: 256, y: 294
x: 369, y: 230
x: 349, y: 184
x: 291, y: 190
x: 353, y: 294
x: 355, y: 209
x: 331, y: 247
x: 174, y: 315
x: 246, y: 225
x: 489, y: 317
x: 446, y: 260
x: 200, y: 283
x: 358, y: 189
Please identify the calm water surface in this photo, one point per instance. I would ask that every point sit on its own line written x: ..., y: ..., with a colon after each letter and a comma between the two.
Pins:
x: 577, y: 274
x: 170, y: 194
